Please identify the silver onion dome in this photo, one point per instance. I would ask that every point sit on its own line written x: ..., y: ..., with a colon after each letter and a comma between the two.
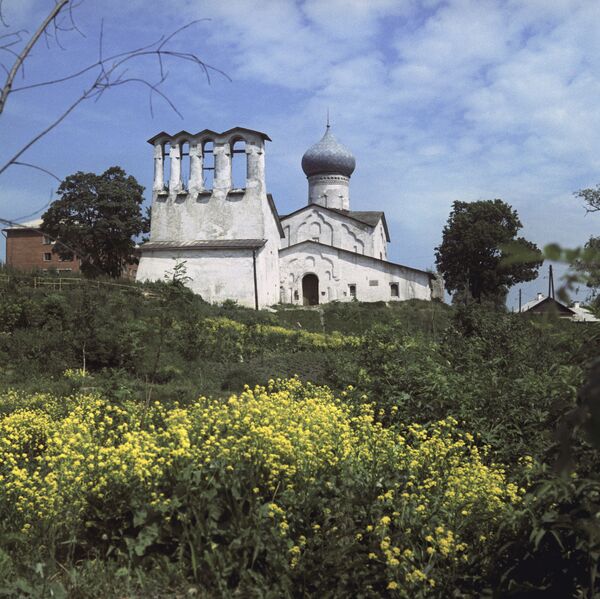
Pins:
x: 328, y: 156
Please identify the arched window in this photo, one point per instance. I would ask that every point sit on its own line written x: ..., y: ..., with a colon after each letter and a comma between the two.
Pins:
x: 238, y: 164
x: 166, y: 163
x: 208, y: 164
x: 184, y: 148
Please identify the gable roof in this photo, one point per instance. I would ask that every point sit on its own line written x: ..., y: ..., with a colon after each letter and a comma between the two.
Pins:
x: 542, y: 302
x: 205, y: 244
x: 275, y: 214
x: 369, y: 217
x: 351, y: 253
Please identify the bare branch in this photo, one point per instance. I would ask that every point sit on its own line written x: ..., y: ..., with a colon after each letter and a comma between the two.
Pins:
x: 39, y: 168
x: 111, y: 72
x: 2, y: 14
x: 47, y: 130
x: 4, y: 93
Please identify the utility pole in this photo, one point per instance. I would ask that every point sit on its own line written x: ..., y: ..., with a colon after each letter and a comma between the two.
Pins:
x: 550, y: 282
x: 519, y: 301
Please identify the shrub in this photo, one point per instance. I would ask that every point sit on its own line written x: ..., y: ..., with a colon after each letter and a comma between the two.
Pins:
x: 260, y: 491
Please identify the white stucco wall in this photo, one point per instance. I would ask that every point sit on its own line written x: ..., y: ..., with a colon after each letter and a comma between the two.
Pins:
x: 214, y: 274
x: 337, y: 270
x: 331, y: 228
x: 380, y: 242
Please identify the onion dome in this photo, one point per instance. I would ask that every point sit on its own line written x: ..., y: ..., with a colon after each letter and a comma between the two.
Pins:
x: 328, y: 156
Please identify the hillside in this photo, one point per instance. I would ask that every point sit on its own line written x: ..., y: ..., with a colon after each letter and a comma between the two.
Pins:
x: 155, y: 445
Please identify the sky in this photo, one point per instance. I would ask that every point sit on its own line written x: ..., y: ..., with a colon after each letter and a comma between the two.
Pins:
x: 438, y: 100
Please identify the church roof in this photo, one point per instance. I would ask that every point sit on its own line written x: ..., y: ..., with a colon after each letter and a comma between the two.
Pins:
x: 275, y: 214
x: 328, y: 156
x: 205, y: 133
x: 366, y: 217
x: 205, y: 244
x: 349, y: 252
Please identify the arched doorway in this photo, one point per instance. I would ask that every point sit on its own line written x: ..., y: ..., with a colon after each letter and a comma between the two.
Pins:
x: 310, y: 290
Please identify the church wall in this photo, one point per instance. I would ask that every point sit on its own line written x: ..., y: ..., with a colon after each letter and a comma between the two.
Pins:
x: 330, y: 229
x: 216, y: 275
x: 337, y: 271
x: 267, y: 261
x: 380, y: 242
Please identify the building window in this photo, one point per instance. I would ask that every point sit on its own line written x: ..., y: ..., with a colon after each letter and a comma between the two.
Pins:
x: 394, y: 290
x: 352, y: 290
x: 46, y: 240
x: 315, y: 239
x: 47, y: 257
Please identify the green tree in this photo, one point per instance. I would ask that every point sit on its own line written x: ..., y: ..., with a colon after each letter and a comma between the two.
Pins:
x: 480, y: 255
x: 97, y: 217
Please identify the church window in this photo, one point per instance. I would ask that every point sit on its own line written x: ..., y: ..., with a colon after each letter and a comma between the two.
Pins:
x: 373, y: 283
x: 296, y: 295
x: 352, y: 290
x: 238, y: 164
x: 208, y: 164
x: 315, y: 239
x: 184, y: 148
x: 394, y: 290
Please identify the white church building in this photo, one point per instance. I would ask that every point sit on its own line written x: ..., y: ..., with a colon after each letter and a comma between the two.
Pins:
x: 237, y: 246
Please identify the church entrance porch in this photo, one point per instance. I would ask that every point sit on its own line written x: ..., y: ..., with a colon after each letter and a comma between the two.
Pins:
x: 310, y: 290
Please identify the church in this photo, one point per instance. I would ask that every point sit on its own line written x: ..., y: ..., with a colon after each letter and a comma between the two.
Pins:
x: 235, y: 244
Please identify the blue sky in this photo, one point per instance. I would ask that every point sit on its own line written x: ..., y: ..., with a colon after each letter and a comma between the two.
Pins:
x: 438, y: 100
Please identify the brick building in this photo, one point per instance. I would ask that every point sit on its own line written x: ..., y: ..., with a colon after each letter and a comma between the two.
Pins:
x: 27, y: 248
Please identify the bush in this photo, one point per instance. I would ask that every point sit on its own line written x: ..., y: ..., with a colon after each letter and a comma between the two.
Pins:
x: 262, y: 491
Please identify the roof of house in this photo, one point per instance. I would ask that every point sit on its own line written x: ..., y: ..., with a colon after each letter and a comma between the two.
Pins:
x: 583, y: 314
x: 205, y: 244
x: 31, y: 224
x: 366, y: 217
x: 348, y: 252
x: 541, y: 299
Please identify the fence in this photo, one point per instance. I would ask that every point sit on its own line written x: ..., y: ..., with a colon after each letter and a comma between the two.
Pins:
x: 60, y: 283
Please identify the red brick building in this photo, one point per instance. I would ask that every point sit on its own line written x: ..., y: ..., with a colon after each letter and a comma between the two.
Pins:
x: 27, y: 248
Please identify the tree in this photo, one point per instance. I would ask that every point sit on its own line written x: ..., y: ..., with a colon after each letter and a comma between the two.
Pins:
x: 480, y: 256
x: 587, y: 262
x: 591, y: 197
x: 97, y: 217
x: 109, y: 70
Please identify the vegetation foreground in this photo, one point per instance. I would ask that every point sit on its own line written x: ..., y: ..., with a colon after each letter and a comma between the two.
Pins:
x: 440, y: 453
